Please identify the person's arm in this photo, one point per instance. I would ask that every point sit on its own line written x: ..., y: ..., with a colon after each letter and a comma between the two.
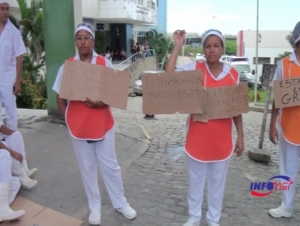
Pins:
x: 275, y: 111
x: 238, y: 122
x: 19, y: 50
x: 6, y: 131
x: 19, y: 67
x: 61, y: 103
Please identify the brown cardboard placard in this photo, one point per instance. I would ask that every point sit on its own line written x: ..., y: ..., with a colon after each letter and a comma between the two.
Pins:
x: 81, y: 80
x: 224, y: 102
x: 287, y: 92
x: 168, y: 93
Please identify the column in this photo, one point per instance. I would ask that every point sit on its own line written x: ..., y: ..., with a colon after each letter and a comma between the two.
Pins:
x: 59, y: 22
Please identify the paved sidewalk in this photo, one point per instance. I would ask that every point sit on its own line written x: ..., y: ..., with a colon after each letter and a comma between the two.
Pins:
x: 48, y: 148
x: 156, y: 182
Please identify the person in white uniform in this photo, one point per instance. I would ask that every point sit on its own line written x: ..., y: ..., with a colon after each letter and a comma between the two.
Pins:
x: 13, y: 161
x: 209, y: 145
x: 12, y: 49
x: 14, y: 144
x: 98, y: 151
x: 289, y: 129
x: 9, y: 188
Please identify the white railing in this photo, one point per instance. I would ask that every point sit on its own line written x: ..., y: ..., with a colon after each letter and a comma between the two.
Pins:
x: 135, y: 55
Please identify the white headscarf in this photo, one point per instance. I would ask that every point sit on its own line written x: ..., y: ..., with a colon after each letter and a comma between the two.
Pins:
x: 213, y: 32
x: 296, y: 34
x: 3, y: 1
x: 85, y: 26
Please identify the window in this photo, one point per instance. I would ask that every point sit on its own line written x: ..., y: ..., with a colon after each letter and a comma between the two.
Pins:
x: 262, y: 60
x: 141, y: 2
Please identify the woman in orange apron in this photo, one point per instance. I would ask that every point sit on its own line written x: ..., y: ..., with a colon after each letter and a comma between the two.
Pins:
x: 289, y: 123
x: 91, y: 128
x: 210, y: 145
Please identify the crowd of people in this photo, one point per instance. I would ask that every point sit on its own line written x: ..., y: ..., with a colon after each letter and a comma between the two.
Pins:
x: 208, y: 146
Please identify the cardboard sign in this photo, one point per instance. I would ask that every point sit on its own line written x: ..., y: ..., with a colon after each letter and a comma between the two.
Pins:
x: 224, y: 102
x: 168, y: 93
x: 287, y: 92
x: 84, y: 80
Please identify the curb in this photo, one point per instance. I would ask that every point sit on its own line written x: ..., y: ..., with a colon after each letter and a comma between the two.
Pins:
x: 258, y: 110
x: 147, y: 136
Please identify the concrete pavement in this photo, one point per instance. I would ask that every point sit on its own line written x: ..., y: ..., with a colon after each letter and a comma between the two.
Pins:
x: 156, y: 182
x: 49, y: 149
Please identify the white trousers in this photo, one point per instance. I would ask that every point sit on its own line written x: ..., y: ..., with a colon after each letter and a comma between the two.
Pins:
x: 288, y: 166
x: 216, y: 173
x: 6, y: 176
x: 8, y: 98
x: 101, y: 153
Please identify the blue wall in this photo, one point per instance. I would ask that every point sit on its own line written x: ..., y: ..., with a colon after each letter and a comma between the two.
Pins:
x: 161, y: 14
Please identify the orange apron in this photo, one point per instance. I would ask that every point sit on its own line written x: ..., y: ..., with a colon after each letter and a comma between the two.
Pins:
x: 211, y: 141
x: 290, y: 117
x: 87, y: 123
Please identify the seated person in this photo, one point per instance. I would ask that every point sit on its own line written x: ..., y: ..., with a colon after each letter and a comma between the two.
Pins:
x: 116, y: 55
x: 123, y: 54
x: 9, y: 187
x: 14, y: 144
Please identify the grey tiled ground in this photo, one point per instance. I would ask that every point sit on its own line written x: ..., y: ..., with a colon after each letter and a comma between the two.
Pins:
x: 156, y: 184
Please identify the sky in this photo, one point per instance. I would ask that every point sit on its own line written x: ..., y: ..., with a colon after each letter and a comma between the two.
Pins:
x: 231, y: 16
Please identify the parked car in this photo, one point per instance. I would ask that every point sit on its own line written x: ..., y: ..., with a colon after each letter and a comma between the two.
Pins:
x: 137, y: 88
x: 248, y: 77
x: 200, y: 57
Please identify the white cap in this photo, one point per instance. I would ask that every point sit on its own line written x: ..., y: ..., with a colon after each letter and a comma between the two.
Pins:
x: 213, y: 32
x: 296, y: 34
x: 85, y: 26
x: 3, y: 1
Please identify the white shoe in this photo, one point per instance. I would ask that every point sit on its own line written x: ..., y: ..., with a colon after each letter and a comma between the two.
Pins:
x: 18, y: 171
x: 95, y: 218
x: 191, y: 222
x: 128, y: 212
x: 6, y: 213
x: 30, y: 173
x: 280, y: 212
x: 214, y: 225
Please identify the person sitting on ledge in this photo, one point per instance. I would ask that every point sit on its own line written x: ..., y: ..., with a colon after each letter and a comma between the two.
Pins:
x: 14, y: 144
x: 9, y: 187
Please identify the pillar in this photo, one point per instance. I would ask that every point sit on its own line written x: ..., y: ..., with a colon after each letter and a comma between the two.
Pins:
x: 59, y: 22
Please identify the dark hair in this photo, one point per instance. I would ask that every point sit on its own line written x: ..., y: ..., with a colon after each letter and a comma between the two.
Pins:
x: 297, y: 45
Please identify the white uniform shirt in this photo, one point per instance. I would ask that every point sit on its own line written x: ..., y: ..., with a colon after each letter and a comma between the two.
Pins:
x: 58, y: 80
x: 278, y: 75
x: 192, y: 66
x: 11, y: 46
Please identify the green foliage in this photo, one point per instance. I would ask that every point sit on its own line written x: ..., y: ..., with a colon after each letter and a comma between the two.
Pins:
x: 193, y: 50
x: 161, y: 44
x: 261, y: 95
x: 33, y: 84
x: 230, y: 47
x: 101, y: 41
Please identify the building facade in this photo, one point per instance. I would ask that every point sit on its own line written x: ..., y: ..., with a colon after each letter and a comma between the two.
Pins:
x: 117, y: 22
x: 271, y: 44
x: 162, y: 10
